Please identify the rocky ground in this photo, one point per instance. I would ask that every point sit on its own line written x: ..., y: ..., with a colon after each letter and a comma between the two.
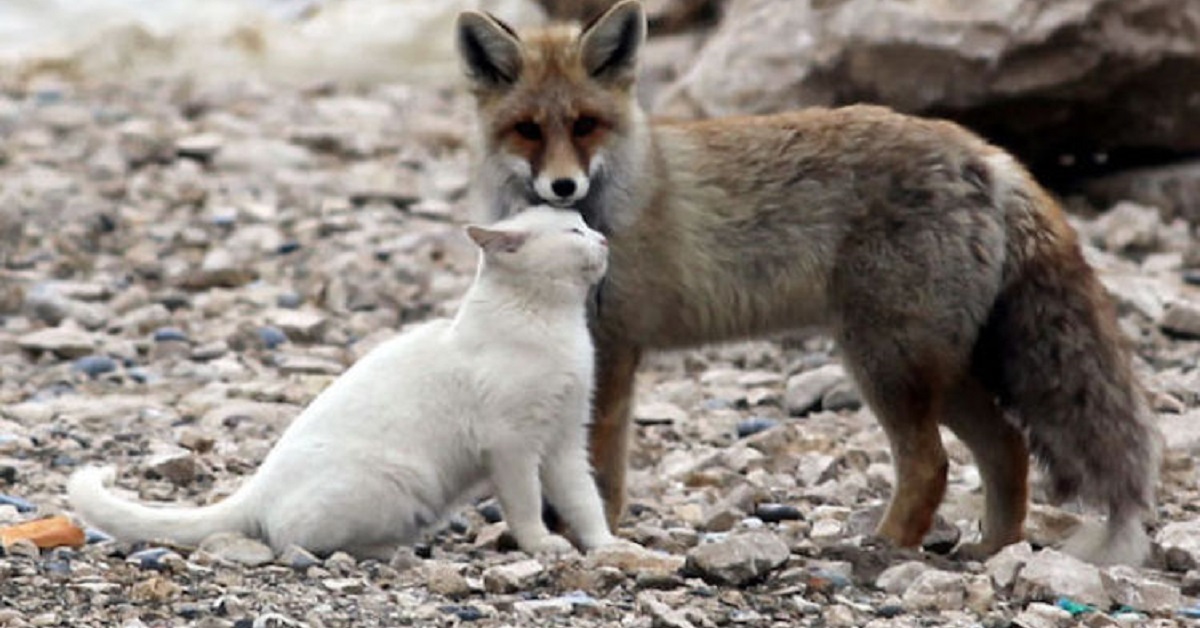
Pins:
x: 183, y: 267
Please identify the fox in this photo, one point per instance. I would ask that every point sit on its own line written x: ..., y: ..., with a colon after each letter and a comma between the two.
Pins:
x: 951, y: 281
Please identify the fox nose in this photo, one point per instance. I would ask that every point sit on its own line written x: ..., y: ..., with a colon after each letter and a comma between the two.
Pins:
x: 563, y: 187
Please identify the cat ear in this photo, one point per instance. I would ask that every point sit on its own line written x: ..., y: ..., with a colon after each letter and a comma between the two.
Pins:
x: 496, y: 241
x: 489, y: 49
x: 610, y: 43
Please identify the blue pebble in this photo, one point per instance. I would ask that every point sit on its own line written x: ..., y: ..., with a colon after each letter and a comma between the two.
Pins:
x: 150, y: 558
x: 754, y: 425
x: 138, y: 374
x: 291, y: 246
x: 22, y: 505
x: 271, y: 337
x: 57, y: 566
x: 463, y: 613
x: 168, y: 334
x: 226, y: 219
x: 289, y: 300
x: 889, y: 610
x: 95, y: 365
x: 93, y: 536
x: 1192, y: 277
x: 1191, y: 612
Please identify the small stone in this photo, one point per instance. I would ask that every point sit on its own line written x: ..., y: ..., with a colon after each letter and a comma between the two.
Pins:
x: 179, y: 467
x: 218, y: 269
x: 466, y: 613
x: 446, y: 579
x: 62, y: 341
x: 634, y: 560
x: 155, y: 589
x: 942, y: 537
x: 346, y: 586
x: 662, y: 615
x: 238, y: 549
x: 1041, y: 615
x: 842, y: 396
x: 20, y: 503
x: 512, y: 577
x: 659, y: 413
x: 561, y: 605
x: 1133, y: 588
x: 935, y: 590
x: 307, y: 365
x: 1004, y: 565
x: 201, y: 146
x: 1049, y: 574
x: 897, y: 578
x: 1182, y: 320
x: 490, y: 511
x: 195, y: 440
x: 774, y: 513
x: 289, y: 300
x: 271, y: 336
x: 1180, y: 542
x: 805, y: 390
x: 153, y: 558
x: 170, y: 334
x: 738, y: 560
x: 301, y: 325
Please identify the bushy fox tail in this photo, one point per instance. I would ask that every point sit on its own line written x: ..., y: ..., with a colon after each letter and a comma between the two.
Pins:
x: 1058, y: 363
x: 131, y: 521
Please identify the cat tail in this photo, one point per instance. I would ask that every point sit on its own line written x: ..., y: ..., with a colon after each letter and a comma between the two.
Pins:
x: 131, y: 521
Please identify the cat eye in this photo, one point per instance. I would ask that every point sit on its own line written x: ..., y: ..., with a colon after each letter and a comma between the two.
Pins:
x: 584, y: 126
x: 528, y: 130
x: 576, y: 230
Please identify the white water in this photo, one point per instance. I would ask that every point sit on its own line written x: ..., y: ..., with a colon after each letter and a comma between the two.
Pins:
x: 287, y: 40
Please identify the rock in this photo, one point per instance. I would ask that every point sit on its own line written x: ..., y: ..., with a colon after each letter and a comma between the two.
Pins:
x: 774, y: 513
x: 842, y: 396
x: 345, y: 586
x: 1041, y: 615
x: 898, y: 578
x: 271, y: 336
x: 754, y: 425
x: 662, y: 615
x: 512, y: 577
x: 201, y: 146
x: 1128, y: 228
x: 307, y: 365
x: 1087, y: 77
x: 1180, y: 542
x: 156, y: 559
x: 659, y: 413
x: 298, y: 558
x: 22, y: 505
x: 219, y: 269
x: 1173, y: 188
x: 178, y: 466
x: 445, y: 579
x: 1133, y: 588
x: 739, y: 559
x: 238, y: 549
x: 1049, y: 574
x: 62, y: 341
x: 301, y: 325
x: 1182, y: 320
x: 561, y: 605
x: 805, y: 390
x: 1005, y: 564
x: 94, y: 365
x: 634, y: 560
x: 935, y: 590
x: 154, y: 590
x: 170, y: 334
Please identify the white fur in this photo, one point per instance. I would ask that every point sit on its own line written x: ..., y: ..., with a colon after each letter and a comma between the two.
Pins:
x: 499, y: 394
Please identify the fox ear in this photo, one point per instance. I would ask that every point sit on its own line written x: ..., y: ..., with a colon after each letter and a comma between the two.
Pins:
x: 490, y: 49
x: 495, y: 240
x: 610, y: 43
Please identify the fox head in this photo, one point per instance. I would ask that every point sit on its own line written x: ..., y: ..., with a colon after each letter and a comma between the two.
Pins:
x: 557, y: 107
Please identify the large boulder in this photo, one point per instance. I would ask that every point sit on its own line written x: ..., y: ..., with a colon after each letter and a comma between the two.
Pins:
x: 1069, y: 85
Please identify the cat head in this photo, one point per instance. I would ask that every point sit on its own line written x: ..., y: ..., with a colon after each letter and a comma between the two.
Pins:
x: 544, y: 242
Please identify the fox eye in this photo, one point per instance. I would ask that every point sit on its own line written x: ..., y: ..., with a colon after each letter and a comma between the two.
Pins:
x: 528, y: 130
x: 584, y: 125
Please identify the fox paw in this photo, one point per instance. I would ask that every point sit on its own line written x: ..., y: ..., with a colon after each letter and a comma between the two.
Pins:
x: 550, y: 545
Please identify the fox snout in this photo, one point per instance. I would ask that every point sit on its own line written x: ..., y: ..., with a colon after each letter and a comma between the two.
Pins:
x: 561, y: 190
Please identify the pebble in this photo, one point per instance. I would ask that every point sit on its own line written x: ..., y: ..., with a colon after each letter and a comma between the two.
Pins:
x: 21, y: 504
x: 754, y: 425
x: 238, y: 549
x: 94, y: 365
x: 1049, y: 574
x: 155, y: 559
x: 737, y: 560
x: 62, y: 341
x: 1180, y: 543
x: 179, y: 467
x: 170, y: 334
x: 512, y: 577
x: 299, y: 325
x: 805, y: 390
x: 935, y: 590
x: 774, y: 513
x: 298, y: 558
x: 271, y: 337
x: 1182, y: 320
x: 1130, y: 587
x: 446, y: 579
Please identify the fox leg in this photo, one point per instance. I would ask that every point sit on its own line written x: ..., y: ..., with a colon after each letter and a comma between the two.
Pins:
x: 907, y: 403
x: 609, y: 432
x: 1002, y: 456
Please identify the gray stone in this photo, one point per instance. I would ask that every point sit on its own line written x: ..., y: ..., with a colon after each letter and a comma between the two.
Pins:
x: 1182, y: 320
x: 1049, y: 574
x: 660, y: 613
x: 738, y: 559
x: 1005, y: 564
x: 179, y: 466
x: 898, y: 578
x: 299, y: 325
x: 1042, y: 615
x: 445, y: 579
x: 512, y: 577
x: 238, y: 549
x: 936, y: 590
x: 1180, y: 542
x: 64, y: 342
x: 1136, y: 589
x: 805, y: 390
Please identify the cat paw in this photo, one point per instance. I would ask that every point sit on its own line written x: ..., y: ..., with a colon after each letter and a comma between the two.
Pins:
x: 550, y: 545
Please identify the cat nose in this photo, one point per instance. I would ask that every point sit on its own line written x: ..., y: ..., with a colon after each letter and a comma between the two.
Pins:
x: 603, y: 241
x: 563, y: 187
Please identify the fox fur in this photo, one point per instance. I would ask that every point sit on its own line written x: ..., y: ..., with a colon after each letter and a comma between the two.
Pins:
x: 951, y: 280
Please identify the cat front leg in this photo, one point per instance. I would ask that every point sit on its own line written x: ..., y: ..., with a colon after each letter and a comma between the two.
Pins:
x: 569, y: 486
x: 513, y: 472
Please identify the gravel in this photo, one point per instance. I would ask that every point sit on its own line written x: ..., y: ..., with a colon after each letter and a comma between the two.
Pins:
x: 191, y: 263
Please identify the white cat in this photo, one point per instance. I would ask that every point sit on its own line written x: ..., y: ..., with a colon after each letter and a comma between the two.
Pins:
x: 500, y: 393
